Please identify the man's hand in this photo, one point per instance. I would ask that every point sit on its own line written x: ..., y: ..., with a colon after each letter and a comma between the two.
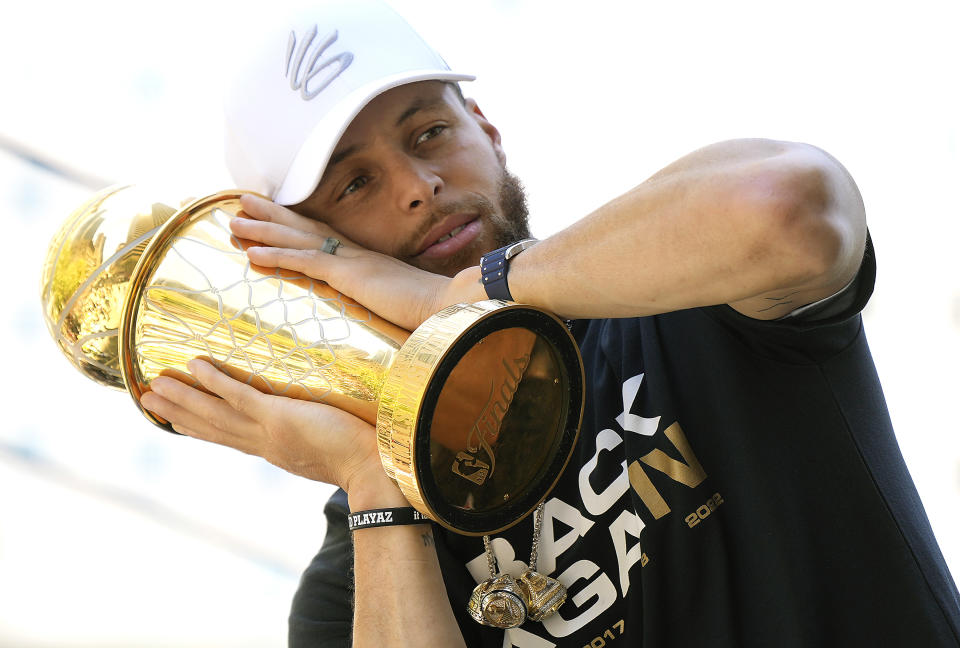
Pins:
x: 396, y: 291
x: 312, y: 440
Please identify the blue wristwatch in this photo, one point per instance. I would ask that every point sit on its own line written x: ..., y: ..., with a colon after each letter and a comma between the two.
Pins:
x: 494, y: 266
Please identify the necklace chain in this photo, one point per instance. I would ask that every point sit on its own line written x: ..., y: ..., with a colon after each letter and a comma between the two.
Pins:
x: 535, y: 542
x: 534, y: 545
x: 491, y: 558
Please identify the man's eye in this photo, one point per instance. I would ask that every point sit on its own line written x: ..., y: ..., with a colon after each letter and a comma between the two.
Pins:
x: 355, y: 185
x: 430, y: 133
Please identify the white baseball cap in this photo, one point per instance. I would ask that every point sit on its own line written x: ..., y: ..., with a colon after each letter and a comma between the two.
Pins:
x: 306, y: 80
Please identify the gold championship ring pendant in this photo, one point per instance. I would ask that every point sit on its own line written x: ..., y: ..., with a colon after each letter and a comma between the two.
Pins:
x: 504, y: 602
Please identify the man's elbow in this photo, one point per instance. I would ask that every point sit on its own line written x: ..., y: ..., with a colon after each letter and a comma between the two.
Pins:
x: 813, y: 224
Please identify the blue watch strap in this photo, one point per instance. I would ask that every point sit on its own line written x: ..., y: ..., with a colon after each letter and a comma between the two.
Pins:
x: 493, y: 274
x: 494, y: 266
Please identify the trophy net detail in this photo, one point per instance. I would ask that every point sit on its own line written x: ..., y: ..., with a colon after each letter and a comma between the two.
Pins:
x: 279, y: 331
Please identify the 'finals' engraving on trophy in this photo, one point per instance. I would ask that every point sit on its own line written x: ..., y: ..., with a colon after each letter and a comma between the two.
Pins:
x: 478, y: 462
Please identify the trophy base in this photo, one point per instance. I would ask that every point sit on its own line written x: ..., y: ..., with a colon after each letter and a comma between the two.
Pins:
x: 480, y: 413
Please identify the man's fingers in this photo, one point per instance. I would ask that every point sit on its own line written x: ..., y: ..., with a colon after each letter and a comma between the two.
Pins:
x: 242, y: 397
x: 309, y: 262
x: 275, y: 235
x: 265, y: 210
x: 237, y: 443
x: 185, y: 431
x: 202, y: 416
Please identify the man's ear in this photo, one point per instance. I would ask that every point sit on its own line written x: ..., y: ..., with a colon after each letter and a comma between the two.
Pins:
x: 474, y: 111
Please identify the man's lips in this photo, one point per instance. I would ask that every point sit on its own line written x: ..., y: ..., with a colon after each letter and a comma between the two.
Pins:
x: 450, y: 236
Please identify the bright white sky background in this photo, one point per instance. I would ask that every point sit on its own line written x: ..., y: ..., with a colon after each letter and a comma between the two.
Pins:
x: 113, y: 533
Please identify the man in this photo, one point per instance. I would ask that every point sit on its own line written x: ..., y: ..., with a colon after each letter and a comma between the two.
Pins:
x: 736, y: 481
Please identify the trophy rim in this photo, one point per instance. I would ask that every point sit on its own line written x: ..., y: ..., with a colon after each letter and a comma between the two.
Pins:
x: 408, y: 445
x: 138, y: 280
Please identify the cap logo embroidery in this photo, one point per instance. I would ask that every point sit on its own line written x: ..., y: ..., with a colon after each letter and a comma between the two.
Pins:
x: 302, y: 71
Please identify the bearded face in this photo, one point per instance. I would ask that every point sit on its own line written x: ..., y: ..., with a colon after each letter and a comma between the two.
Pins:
x: 420, y: 175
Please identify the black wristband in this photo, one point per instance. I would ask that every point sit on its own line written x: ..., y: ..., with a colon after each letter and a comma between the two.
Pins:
x: 385, y: 517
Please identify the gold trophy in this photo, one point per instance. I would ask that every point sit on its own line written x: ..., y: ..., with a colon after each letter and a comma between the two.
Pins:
x: 477, y: 411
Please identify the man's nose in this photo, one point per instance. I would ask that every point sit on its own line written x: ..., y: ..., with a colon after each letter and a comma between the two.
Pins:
x: 416, y: 184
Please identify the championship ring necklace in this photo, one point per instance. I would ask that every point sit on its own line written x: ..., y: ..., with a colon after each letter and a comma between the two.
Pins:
x: 504, y: 602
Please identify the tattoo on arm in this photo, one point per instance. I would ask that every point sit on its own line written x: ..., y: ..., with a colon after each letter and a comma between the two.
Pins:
x: 427, y: 539
x: 778, y: 302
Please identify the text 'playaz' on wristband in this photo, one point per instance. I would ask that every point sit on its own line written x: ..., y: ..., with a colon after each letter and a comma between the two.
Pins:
x: 385, y: 517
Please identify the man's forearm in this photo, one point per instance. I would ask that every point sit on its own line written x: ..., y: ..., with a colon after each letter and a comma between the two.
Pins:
x: 400, y: 599
x: 725, y: 224
x: 400, y: 596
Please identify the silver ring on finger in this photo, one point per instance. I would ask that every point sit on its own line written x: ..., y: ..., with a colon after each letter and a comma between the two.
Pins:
x: 330, y: 245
